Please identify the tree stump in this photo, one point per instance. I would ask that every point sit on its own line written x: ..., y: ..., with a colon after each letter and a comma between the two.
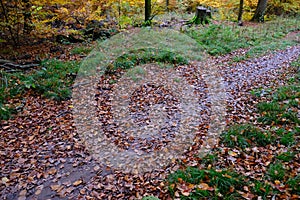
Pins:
x: 201, y: 16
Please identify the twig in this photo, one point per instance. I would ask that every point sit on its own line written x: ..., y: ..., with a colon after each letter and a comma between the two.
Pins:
x: 80, y: 84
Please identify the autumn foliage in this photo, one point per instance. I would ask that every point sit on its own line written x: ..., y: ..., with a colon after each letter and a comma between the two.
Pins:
x: 44, y: 18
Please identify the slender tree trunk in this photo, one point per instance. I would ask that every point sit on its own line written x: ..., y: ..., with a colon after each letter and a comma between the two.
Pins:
x: 240, y: 22
x: 167, y: 5
x: 147, y: 10
x: 119, y: 13
x: 119, y: 9
x: 260, y: 11
x: 27, y: 16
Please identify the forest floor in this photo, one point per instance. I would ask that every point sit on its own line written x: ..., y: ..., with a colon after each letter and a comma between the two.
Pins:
x: 44, y: 157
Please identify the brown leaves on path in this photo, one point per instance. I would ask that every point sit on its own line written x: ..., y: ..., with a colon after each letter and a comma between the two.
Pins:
x: 41, y: 156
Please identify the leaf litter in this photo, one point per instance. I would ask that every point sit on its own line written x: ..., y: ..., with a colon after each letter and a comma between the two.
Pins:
x: 43, y: 157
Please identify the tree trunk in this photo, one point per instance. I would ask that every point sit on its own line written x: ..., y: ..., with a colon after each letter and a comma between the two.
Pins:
x: 167, y: 5
x: 260, y: 11
x: 240, y: 22
x: 147, y: 10
x: 27, y: 16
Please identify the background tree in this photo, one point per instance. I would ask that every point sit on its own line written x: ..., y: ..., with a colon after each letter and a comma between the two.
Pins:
x: 167, y: 5
x: 27, y: 24
x: 147, y: 10
x: 240, y: 13
x: 260, y: 11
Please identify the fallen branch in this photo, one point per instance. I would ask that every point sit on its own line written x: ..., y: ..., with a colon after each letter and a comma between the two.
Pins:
x: 11, y: 66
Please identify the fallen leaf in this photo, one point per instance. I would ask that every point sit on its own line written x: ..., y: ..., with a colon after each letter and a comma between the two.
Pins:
x: 78, y: 182
x: 203, y: 186
x: 38, y: 192
x: 52, y: 171
x: 4, y: 180
x: 185, y: 194
x: 55, y: 187
x: 231, y: 153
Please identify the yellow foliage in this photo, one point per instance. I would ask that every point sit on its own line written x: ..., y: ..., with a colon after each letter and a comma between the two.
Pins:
x: 228, y: 9
x: 46, y: 12
x: 278, y: 7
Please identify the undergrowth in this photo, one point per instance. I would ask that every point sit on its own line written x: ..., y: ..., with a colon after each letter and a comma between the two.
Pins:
x: 53, y: 81
x: 219, y: 39
x: 148, y: 55
x: 207, y: 183
x: 245, y: 136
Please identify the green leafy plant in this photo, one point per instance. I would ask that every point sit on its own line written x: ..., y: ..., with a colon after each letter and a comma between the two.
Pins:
x: 53, y: 80
x: 269, y: 106
x: 291, y: 117
x: 81, y: 50
x: 224, y: 182
x: 294, y: 184
x: 287, y: 139
x: 262, y: 189
x: 286, y: 156
x: 270, y: 118
x: 276, y: 171
x: 209, y: 159
x: 5, y: 112
x: 244, y: 136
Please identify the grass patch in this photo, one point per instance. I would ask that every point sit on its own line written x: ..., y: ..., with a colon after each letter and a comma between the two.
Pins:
x: 222, y: 39
x: 245, y: 136
x: 262, y: 48
x: 287, y: 92
x: 276, y: 171
x: 136, y: 73
x: 282, y: 109
x: 269, y: 106
x: 5, y: 112
x: 294, y: 184
x: 148, y: 55
x: 206, y: 183
x: 53, y: 81
x: 287, y: 139
x: 217, y: 39
x: 262, y: 189
x: 209, y: 159
x: 279, y: 110
x: 286, y: 156
x: 260, y: 92
x: 81, y: 50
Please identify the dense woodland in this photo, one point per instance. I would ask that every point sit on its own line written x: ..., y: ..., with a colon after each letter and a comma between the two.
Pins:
x: 45, y: 19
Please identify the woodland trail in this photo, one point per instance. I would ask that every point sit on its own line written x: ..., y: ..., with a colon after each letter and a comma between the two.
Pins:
x: 42, y: 156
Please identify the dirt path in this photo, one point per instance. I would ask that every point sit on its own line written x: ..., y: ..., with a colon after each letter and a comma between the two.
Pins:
x: 42, y: 157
